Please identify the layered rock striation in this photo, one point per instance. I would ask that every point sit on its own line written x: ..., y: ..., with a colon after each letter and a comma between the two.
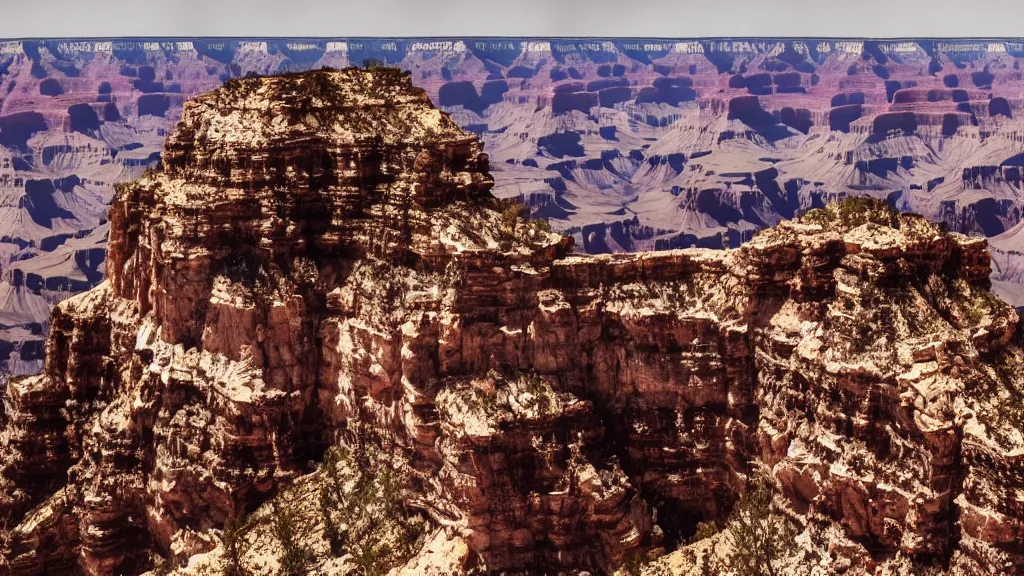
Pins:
x: 626, y: 145
x: 319, y: 263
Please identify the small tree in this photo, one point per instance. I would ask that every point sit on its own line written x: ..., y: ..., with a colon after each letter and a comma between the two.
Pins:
x: 709, y: 565
x: 330, y: 492
x: 704, y: 531
x: 364, y: 495
x: 234, y: 532
x: 378, y: 496
x: 331, y: 528
x: 762, y: 539
x: 511, y: 213
x: 295, y: 558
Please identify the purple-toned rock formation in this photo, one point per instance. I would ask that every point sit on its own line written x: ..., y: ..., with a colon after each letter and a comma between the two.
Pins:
x: 625, y: 145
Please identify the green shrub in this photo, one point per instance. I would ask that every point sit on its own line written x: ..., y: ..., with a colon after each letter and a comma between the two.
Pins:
x: 511, y: 213
x: 820, y: 216
x: 857, y: 210
x: 333, y: 484
x: 515, y: 224
x: 762, y: 539
x: 365, y: 497
x: 233, y: 538
x: 851, y: 212
x: 704, y: 531
x: 295, y: 558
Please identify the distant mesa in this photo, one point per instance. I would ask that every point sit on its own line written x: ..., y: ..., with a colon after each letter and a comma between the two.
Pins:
x: 561, y: 144
x: 797, y: 118
x: 747, y: 109
x: 565, y: 101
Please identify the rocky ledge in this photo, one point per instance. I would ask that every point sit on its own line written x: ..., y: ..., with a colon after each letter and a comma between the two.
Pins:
x: 324, y: 347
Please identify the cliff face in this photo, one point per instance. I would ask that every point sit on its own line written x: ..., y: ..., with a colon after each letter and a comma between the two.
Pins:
x: 627, y: 145
x: 319, y: 264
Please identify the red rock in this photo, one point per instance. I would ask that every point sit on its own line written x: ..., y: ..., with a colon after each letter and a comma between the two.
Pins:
x: 320, y: 262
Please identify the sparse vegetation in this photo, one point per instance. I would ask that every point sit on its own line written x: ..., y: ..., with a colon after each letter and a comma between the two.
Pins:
x: 480, y: 400
x: 540, y: 392
x: 233, y: 538
x: 821, y: 216
x: 358, y: 502
x: 316, y: 94
x: 334, y: 483
x: 708, y: 564
x: 851, y: 212
x: 1000, y: 390
x: 493, y: 399
x: 981, y: 303
x: 856, y: 210
x: 704, y: 531
x: 364, y: 514
x: 517, y: 226
x: 511, y: 214
x: 762, y: 538
x: 295, y: 558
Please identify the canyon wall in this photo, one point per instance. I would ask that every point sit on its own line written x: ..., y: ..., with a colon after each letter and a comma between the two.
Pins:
x: 625, y: 145
x: 318, y: 262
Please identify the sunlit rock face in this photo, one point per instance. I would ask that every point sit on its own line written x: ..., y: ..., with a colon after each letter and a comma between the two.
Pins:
x: 626, y: 145
x: 319, y: 262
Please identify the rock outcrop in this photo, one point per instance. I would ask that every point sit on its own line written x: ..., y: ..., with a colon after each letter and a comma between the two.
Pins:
x: 319, y: 263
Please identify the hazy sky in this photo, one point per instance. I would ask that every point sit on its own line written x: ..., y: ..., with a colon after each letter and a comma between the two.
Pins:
x: 650, y: 18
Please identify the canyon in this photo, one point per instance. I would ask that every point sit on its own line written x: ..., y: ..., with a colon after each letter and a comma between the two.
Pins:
x: 626, y: 145
x: 317, y: 278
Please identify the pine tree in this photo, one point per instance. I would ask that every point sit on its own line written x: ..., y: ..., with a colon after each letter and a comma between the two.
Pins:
x: 762, y: 539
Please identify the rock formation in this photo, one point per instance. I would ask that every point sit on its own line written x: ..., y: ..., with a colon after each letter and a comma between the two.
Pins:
x: 625, y: 145
x: 318, y: 264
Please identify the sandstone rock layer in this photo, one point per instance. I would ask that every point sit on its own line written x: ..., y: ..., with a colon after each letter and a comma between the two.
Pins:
x: 319, y: 262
